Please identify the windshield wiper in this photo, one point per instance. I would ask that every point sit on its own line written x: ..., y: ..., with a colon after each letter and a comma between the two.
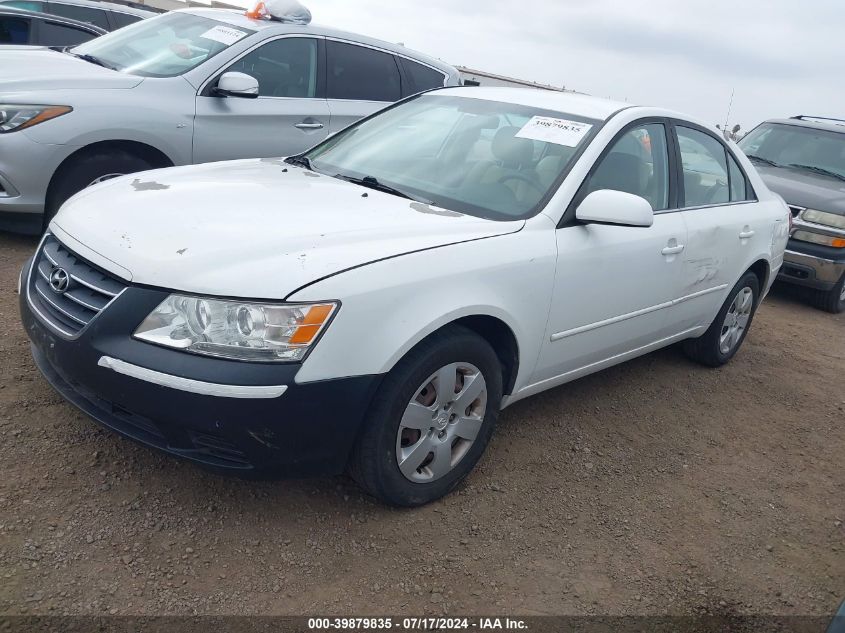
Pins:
x: 763, y: 160
x: 819, y: 170
x: 300, y: 161
x: 371, y: 182
x: 92, y: 60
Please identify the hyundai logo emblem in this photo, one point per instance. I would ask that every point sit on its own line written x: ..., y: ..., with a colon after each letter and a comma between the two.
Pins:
x: 59, y: 280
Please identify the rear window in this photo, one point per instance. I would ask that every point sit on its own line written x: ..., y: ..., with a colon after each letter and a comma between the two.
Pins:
x: 421, y: 77
x: 14, y: 30
x: 123, y: 19
x: 362, y: 74
x: 81, y: 14
x: 56, y: 34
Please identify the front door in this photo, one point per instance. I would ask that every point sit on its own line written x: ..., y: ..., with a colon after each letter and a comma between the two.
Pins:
x: 615, y: 285
x: 287, y: 118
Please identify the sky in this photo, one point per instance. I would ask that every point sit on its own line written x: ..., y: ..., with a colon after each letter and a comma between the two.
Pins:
x: 780, y: 57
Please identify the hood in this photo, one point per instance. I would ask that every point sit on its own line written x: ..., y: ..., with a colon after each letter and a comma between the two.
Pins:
x: 250, y: 228
x: 29, y: 68
x: 802, y: 188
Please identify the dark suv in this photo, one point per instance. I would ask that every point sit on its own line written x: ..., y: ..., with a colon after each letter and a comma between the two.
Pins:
x: 803, y: 160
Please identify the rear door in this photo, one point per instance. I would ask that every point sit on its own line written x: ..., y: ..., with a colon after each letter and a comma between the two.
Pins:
x: 727, y: 226
x: 359, y: 81
x: 289, y: 116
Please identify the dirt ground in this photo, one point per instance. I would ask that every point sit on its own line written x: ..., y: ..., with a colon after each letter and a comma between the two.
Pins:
x: 655, y: 487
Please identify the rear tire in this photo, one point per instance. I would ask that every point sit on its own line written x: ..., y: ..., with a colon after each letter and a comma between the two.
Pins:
x: 459, y: 431
x: 86, y: 171
x: 722, y: 340
x: 833, y: 300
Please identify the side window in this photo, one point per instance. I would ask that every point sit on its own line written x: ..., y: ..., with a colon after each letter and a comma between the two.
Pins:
x: 55, y: 34
x: 638, y: 163
x: 83, y: 14
x: 14, y: 30
x: 420, y: 77
x: 362, y: 74
x: 705, y: 168
x: 285, y: 67
x: 123, y: 19
x: 739, y: 186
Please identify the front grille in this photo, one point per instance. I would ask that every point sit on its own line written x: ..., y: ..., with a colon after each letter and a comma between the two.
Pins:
x: 67, y: 291
x: 796, y: 211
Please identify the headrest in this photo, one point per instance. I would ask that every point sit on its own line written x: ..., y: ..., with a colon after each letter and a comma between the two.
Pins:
x: 512, y: 150
x: 622, y: 172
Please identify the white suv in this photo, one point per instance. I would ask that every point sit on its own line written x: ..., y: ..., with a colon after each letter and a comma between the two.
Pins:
x: 372, y: 304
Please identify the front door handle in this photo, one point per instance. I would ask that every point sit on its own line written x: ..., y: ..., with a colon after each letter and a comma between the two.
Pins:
x: 673, y: 250
x: 746, y: 234
x: 309, y: 126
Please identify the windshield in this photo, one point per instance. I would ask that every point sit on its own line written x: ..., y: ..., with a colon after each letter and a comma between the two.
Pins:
x: 165, y: 46
x: 484, y: 158
x: 792, y: 145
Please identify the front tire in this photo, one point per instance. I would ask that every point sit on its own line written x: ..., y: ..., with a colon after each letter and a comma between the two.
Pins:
x: 722, y: 340
x: 832, y: 300
x: 431, y: 419
x: 89, y: 170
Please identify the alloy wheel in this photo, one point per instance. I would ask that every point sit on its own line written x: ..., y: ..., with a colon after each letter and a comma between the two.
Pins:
x: 736, y: 320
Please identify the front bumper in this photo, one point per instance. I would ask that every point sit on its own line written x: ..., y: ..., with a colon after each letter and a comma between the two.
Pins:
x: 812, y: 265
x: 26, y: 168
x: 308, y: 430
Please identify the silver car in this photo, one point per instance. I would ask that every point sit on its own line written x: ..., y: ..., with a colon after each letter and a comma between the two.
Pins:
x: 191, y: 86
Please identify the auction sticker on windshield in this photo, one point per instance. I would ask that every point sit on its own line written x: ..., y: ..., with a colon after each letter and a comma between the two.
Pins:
x: 223, y: 34
x: 557, y: 131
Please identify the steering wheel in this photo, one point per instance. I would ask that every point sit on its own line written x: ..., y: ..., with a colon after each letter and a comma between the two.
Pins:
x: 523, y: 178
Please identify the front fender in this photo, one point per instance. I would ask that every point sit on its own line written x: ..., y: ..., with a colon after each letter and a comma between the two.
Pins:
x: 390, y: 306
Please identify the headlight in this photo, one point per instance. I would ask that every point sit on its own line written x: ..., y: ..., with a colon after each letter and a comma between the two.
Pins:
x: 17, y: 117
x: 235, y: 329
x: 826, y: 219
x: 818, y: 238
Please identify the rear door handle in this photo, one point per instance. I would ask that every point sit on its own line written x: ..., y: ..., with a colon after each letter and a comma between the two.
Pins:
x: 309, y: 126
x: 673, y: 250
x: 746, y: 234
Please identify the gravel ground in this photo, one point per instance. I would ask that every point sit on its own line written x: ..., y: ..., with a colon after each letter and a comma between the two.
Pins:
x: 655, y: 487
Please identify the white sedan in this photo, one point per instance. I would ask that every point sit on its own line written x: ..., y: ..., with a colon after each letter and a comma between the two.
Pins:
x: 372, y: 304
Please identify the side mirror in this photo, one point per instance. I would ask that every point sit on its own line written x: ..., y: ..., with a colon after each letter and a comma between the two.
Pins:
x: 615, y: 207
x: 237, y: 85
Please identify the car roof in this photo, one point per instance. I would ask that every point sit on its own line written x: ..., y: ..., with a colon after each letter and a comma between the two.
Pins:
x: 811, y: 122
x: 108, y: 6
x: 568, y: 102
x: 239, y: 18
x: 4, y: 10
